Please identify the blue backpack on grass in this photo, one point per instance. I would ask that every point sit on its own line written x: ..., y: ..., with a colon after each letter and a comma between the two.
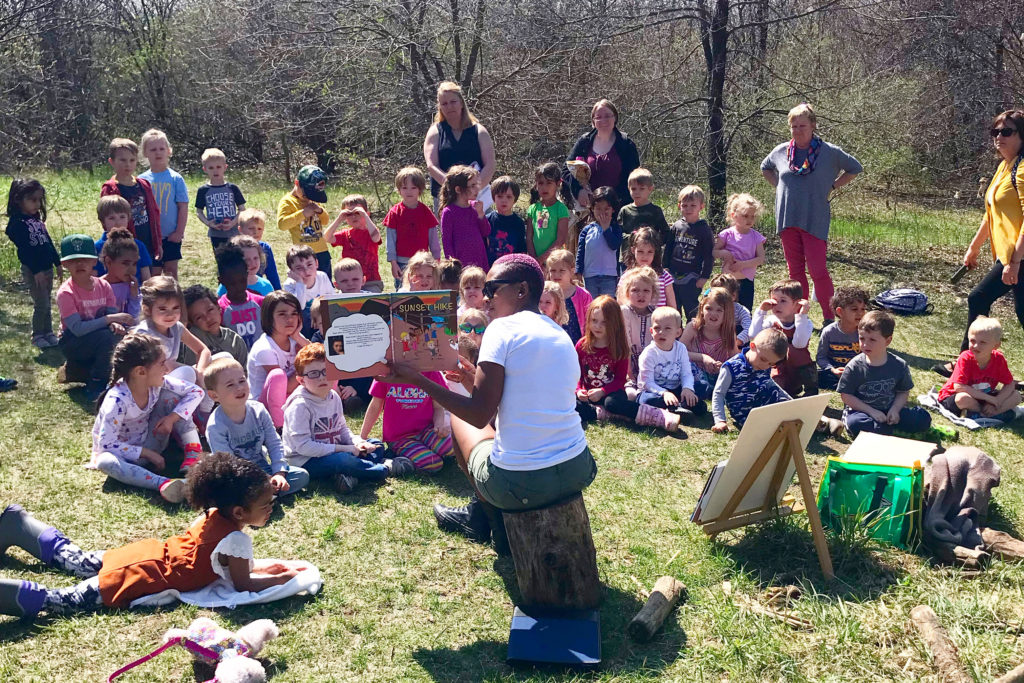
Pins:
x: 904, y: 301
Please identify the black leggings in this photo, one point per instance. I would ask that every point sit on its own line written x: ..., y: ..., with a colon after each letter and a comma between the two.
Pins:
x: 616, y: 403
x: 991, y: 287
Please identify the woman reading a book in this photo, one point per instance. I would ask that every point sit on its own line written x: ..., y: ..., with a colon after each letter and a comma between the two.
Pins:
x: 517, y: 435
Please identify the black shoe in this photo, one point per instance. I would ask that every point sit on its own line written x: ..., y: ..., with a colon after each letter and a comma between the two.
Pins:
x: 468, y: 520
x: 684, y: 413
x: 944, y: 369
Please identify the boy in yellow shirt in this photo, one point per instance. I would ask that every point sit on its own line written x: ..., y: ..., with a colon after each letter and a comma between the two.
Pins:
x: 301, y: 213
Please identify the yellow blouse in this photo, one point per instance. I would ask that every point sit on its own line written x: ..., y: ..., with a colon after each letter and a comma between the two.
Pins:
x: 1004, y: 211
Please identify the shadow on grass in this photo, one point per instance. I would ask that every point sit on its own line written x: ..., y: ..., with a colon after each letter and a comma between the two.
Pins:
x: 999, y: 520
x: 781, y: 552
x: 923, y: 363
x: 619, y: 654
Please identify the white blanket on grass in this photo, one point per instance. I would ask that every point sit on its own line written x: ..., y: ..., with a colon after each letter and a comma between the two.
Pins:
x: 931, y: 401
x: 221, y: 593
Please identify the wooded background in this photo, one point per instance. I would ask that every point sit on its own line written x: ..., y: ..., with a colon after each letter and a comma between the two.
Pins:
x: 907, y: 86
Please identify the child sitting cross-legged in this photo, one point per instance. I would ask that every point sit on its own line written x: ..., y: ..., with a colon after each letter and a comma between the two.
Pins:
x: 603, y: 351
x: 711, y: 339
x: 231, y: 492
x: 876, y: 384
x: 981, y: 382
x: 744, y: 381
x: 666, y: 379
x: 243, y: 427
x: 840, y: 340
x: 317, y: 437
x: 413, y: 425
x: 141, y: 408
x: 786, y: 310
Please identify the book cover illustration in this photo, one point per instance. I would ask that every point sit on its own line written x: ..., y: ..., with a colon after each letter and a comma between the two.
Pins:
x: 366, y: 331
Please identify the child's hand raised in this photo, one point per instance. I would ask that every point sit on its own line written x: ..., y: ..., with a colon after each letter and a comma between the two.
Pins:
x: 479, y: 206
x: 803, y: 307
x: 768, y: 304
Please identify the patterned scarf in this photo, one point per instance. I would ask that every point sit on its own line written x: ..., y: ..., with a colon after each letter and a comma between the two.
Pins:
x: 812, y: 156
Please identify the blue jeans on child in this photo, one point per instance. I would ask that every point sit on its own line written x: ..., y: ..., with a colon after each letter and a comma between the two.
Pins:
x: 649, y: 398
x: 601, y: 284
x: 370, y: 468
x: 913, y: 419
x: 827, y: 380
x: 297, y: 478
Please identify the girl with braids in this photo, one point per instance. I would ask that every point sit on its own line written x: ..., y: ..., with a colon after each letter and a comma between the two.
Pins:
x: 232, y: 493
x: 138, y: 412
x: 463, y: 226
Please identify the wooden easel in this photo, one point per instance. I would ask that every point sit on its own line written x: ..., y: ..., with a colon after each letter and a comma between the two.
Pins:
x: 786, y: 435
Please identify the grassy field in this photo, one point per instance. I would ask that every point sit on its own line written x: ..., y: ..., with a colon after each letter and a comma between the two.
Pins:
x: 403, y: 601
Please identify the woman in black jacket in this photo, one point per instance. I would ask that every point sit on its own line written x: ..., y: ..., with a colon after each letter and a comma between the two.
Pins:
x: 610, y: 154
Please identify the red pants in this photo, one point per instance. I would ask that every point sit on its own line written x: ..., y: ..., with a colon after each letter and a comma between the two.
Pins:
x: 805, y: 252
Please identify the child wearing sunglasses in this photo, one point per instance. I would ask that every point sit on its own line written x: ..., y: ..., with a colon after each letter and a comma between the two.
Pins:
x: 472, y: 324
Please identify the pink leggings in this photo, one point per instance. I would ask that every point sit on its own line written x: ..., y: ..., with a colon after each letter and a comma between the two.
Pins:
x: 274, y: 394
x: 805, y: 252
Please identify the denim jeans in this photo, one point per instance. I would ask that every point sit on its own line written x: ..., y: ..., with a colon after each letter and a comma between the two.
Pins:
x: 344, y: 463
x: 601, y: 284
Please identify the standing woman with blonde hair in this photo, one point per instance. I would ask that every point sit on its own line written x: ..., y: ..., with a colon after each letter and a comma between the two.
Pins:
x: 803, y: 172
x: 456, y: 138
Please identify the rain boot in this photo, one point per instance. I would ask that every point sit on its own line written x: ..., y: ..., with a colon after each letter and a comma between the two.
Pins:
x: 23, y: 599
x: 649, y: 416
x: 18, y: 527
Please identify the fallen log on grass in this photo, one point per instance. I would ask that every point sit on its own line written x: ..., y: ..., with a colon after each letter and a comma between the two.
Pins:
x: 1014, y: 676
x: 936, y: 640
x: 1003, y: 545
x: 667, y: 592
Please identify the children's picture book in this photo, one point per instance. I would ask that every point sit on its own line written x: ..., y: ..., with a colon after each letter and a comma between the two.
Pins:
x: 364, y: 332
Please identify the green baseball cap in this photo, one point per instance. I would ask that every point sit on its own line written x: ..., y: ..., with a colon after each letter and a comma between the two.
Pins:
x: 313, y: 180
x: 77, y: 246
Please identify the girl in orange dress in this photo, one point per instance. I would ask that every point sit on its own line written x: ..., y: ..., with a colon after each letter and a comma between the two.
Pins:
x: 233, y: 494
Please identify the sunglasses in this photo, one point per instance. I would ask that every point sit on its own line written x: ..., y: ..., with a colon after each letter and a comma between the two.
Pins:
x: 491, y: 287
x: 472, y: 329
x: 315, y: 374
x: 1005, y: 132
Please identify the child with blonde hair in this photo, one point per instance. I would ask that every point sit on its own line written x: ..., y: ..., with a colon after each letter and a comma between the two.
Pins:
x: 422, y: 273
x: 710, y: 339
x: 552, y: 304
x: 218, y: 201
x: 471, y: 289
x: 644, y: 249
x: 637, y: 288
x: 253, y: 222
x: 666, y: 376
x: 472, y: 323
x: 740, y: 247
x: 603, y: 351
x: 982, y: 382
x: 348, y: 276
x: 171, y: 196
x: 561, y: 266
x: 411, y: 225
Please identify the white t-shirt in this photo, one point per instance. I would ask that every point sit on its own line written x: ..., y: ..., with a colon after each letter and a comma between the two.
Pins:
x: 537, y: 424
x: 305, y: 295
x: 265, y: 352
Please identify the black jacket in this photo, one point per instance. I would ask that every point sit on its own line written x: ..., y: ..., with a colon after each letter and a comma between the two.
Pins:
x: 628, y: 154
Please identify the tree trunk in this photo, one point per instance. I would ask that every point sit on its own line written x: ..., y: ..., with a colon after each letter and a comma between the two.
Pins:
x: 714, y: 40
x: 553, y: 550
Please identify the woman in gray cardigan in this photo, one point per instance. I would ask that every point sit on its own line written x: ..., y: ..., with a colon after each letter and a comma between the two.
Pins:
x: 803, y: 172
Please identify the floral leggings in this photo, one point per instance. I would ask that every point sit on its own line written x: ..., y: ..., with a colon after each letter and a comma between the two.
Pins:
x: 84, y: 596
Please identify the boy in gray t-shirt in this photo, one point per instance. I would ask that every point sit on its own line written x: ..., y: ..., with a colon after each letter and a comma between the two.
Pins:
x: 876, y: 384
x: 840, y: 341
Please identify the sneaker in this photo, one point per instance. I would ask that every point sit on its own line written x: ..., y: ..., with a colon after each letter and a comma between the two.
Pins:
x: 52, y: 339
x: 944, y: 369
x: 400, y: 466
x: 173, y: 490
x: 190, y: 460
x: 343, y: 483
x: 39, y: 341
x: 468, y: 520
x: 831, y: 426
x: 7, y: 384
